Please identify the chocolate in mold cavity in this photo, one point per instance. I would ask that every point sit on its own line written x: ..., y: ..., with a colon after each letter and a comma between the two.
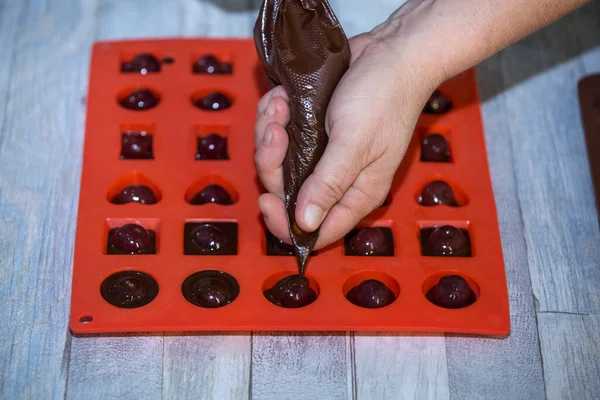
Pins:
x: 437, y: 193
x: 437, y: 104
x: 451, y: 292
x: 371, y: 294
x: 213, y: 101
x: 129, y: 289
x: 210, y: 238
x: 312, y: 34
x: 135, y: 194
x: 210, y: 289
x: 212, y: 194
x: 212, y: 147
x: 139, y: 100
x: 277, y: 247
x: 293, y: 291
x: 131, y: 239
x: 435, y: 148
x: 136, y: 145
x: 446, y: 241
x: 371, y: 241
x: 209, y: 64
x: 143, y: 63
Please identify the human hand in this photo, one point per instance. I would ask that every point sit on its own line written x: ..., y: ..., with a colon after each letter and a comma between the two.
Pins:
x: 370, y: 120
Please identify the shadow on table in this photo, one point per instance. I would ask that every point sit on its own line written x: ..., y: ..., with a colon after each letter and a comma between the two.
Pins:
x: 560, y: 42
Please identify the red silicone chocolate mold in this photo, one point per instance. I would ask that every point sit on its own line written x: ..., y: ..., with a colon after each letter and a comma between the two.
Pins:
x: 150, y: 291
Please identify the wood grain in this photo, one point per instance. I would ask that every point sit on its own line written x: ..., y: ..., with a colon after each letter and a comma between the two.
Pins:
x: 571, y: 348
x: 42, y: 80
x: 309, y: 365
x: 116, y: 367
x: 401, y: 367
x: 207, y: 366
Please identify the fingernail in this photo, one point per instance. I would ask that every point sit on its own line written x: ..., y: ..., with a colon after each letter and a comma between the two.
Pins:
x: 270, y: 110
x: 268, y: 137
x: 313, y: 216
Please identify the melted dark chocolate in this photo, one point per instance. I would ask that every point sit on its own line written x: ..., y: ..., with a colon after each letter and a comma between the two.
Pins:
x: 131, y: 239
x: 210, y: 289
x: 305, y: 50
x: 372, y: 241
x: 129, y: 289
x: 135, y: 194
x: 293, y: 291
x: 136, y: 145
x: 451, y: 292
x: 212, y: 194
x: 210, y: 238
x: 142, y: 63
x: 437, y: 193
x: 371, y: 294
x: 446, y: 240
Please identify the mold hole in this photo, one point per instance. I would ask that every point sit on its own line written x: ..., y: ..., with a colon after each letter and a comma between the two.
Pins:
x: 142, y: 63
x: 134, y: 188
x: 445, y: 241
x: 137, y: 145
x: 435, y: 148
x: 212, y: 100
x: 138, y: 99
x: 439, y: 192
x: 212, y: 64
x: 210, y: 238
x: 129, y: 289
x: 450, y: 290
x: 86, y: 319
x: 371, y: 289
x: 210, y: 289
x: 289, y: 290
x: 369, y: 241
x: 131, y: 238
x: 211, y: 189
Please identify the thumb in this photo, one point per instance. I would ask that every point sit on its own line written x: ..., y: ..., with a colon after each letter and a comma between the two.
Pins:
x: 337, y: 170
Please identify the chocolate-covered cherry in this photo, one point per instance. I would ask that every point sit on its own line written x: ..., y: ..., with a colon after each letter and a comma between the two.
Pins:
x: 214, y: 101
x: 212, y: 147
x: 142, y: 63
x: 135, y: 193
x: 437, y: 104
x: 129, y: 289
x: 139, y: 99
x: 136, y: 146
x: 451, y: 292
x: 371, y: 294
x: 209, y: 64
x: 210, y: 289
x: 437, y: 193
x: 132, y: 239
x: 212, y: 194
x: 368, y: 241
x: 291, y: 292
x: 448, y: 241
x: 434, y: 148
x: 209, y: 238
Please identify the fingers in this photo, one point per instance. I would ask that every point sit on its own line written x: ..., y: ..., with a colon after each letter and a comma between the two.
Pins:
x: 269, y: 158
x: 271, y: 139
x: 273, y: 210
x: 334, y: 174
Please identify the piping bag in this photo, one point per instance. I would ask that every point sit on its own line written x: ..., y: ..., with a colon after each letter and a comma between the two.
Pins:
x: 304, y: 49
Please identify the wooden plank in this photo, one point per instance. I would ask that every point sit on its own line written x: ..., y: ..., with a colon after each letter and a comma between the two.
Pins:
x: 510, y: 367
x: 219, y: 18
x: 42, y: 79
x: 401, y: 367
x: 552, y: 172
x: 302, y: 365
x: 115, y: 367
x: 207, y: 366
x: 571, y: 347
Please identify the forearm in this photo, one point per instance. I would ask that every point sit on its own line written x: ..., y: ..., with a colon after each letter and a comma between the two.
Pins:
x: 452, y: 36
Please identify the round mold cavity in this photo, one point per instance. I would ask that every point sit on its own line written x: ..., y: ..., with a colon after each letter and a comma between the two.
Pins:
x: 434, y: 140
x: 208, y: 180
x: 270, y: 282
x: 124, y: 93
x: 132, y: 179
x: 129, y: 289
x: 201, y: 94
x: 433, y: 279
x: 358, y: 277
x: 210, y: 289
x: 460, y: 195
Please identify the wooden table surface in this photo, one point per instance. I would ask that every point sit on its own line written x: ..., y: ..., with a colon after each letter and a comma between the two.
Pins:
x: 542, y: 184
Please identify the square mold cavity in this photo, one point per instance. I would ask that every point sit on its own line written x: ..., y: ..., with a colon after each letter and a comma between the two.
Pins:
x: 150, y: 225
x: 372, y: 241
x: 452, y: 239
x: 211, y: 142
x: 210, y: 238
x: 435, y: 144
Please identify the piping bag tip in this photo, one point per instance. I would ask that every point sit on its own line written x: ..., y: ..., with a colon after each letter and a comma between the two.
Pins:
x: 302, y: 254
